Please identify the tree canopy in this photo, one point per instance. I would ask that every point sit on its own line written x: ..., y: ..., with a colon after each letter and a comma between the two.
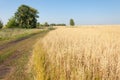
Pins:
x: 72, y: 23
x: 26, y: 17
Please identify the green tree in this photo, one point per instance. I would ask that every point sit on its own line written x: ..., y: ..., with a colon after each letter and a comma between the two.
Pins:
x: 11, y: 23
x: 46, y: 24
x: 61, y: 24
x: 38, y: 24
x: 72, y: 23
x: 53, y: 24
x: 1, y: 24
x: 26, y: 17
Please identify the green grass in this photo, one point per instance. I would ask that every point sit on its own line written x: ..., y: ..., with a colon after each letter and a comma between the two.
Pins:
x: 5, y: 56
x: 7, y: 35
x: 5, y: 53
x: 20, y: 63
x: 22, y: 49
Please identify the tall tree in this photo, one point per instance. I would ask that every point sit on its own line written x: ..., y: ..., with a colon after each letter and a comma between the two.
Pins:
x: 72, y: 23
x: 26, y: 16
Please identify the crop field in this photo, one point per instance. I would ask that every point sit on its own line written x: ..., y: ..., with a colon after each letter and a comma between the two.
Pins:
x: 85, y: 53
x: 42, y: 40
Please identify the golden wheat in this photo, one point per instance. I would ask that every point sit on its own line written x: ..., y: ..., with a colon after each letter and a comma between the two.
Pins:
x: 86, y: 53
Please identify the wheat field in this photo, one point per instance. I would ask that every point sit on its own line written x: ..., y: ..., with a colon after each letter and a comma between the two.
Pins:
x: 85, y: 53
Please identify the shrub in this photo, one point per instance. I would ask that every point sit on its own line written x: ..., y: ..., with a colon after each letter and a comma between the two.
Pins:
x: 46, y: 24
x: 11, y: 23
x: 1, y: 24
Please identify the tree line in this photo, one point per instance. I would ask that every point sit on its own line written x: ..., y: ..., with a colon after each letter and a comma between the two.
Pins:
x: 53, y: 24
x: 26, y: 17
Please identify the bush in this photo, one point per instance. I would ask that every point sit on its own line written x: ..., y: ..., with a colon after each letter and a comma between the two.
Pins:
x: 11, y: 23
x: 46, y: 24
x: 1, y: 24
x: 51, y: 28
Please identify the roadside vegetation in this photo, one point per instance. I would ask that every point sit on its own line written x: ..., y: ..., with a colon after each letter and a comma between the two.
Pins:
x: 1, y: 24
x: 15, y: 56
x: 7, y: 35
x: 86, y: 53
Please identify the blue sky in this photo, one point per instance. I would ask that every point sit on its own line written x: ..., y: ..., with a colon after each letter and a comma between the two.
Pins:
x: 60, y: 11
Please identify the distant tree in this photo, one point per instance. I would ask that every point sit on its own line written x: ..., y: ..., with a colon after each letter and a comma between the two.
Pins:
x: 38, y: 24
x: 61, y: 24
x: 26, y: 17
x: 46, y: 24
x: 12, y: 23
x: 72, y: 23
x: 1, y: 24
x: 53, y: 24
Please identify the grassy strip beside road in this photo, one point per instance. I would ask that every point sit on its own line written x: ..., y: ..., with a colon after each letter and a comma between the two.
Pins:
x: 6, y: 50
x: 18, y: 57
x: 7, y: 35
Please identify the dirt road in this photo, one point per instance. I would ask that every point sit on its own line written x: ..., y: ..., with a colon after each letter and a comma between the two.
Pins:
x: 15, y: 55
